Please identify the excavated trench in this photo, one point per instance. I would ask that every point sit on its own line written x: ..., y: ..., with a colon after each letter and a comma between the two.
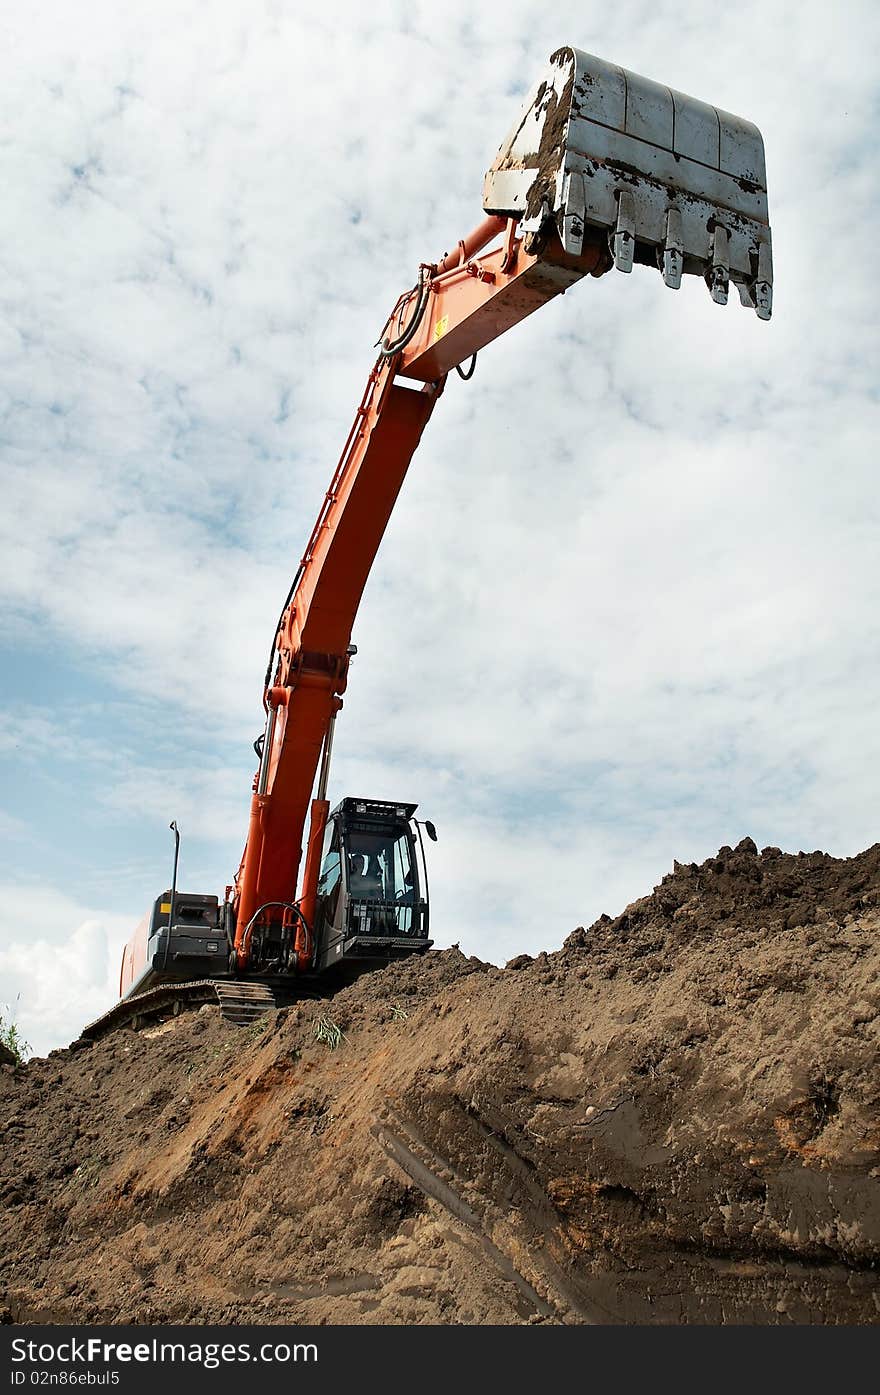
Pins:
x: 672, y: 1119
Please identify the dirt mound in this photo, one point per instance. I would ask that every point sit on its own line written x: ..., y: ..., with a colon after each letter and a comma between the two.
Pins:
x: 674, y: 1118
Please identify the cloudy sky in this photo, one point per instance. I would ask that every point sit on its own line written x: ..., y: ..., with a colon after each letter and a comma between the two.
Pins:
x: 626, y: 609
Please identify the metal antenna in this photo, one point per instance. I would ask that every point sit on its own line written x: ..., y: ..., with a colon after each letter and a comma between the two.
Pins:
x: 176, y: 831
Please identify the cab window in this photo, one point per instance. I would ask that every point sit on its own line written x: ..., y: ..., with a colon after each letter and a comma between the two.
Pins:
x: 380, y: 866
x: 403, y: 869
x: 331, y: 867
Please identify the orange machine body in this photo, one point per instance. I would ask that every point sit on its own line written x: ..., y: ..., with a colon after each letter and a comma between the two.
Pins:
x: 134, y: 956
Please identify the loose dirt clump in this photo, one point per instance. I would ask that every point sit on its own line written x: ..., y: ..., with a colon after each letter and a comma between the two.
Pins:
x: 673, y: 1119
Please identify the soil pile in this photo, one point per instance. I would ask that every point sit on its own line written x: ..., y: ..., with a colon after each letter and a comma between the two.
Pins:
x: 672, y: 1119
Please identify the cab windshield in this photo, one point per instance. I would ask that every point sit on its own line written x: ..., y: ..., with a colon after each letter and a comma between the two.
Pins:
x: 380, y: 866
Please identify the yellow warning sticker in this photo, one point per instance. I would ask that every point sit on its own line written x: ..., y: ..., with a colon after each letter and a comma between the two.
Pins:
x: 165, y: 908
x: 440, y: 328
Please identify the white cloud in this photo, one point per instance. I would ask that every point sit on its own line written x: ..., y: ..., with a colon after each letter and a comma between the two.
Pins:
x: 62, y: 968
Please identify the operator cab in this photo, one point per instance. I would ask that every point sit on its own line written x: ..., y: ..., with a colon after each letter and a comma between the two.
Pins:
x: 373, y: 887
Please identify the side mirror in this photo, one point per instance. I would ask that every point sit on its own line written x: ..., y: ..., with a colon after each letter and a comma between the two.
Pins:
x: 430, y: 830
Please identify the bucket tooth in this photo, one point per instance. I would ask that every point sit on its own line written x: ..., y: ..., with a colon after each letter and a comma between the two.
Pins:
x: 764, y: 282
x: 718, y: 277
x: 673, y: 251
x: 573, y: 215
x: 624, y: 240
x: 756, y: 292
x: 763, y: 300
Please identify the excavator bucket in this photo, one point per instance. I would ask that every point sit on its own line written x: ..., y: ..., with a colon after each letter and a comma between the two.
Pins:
x: 669, y: 181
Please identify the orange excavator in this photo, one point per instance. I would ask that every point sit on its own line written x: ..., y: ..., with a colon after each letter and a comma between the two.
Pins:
x: 601, y: 169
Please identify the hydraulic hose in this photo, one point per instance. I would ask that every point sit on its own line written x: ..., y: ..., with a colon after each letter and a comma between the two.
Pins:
x: 286, y: 905
x: 389, y: 347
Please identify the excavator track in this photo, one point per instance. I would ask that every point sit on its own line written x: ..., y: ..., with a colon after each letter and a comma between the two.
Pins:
x: 241, y: 1002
